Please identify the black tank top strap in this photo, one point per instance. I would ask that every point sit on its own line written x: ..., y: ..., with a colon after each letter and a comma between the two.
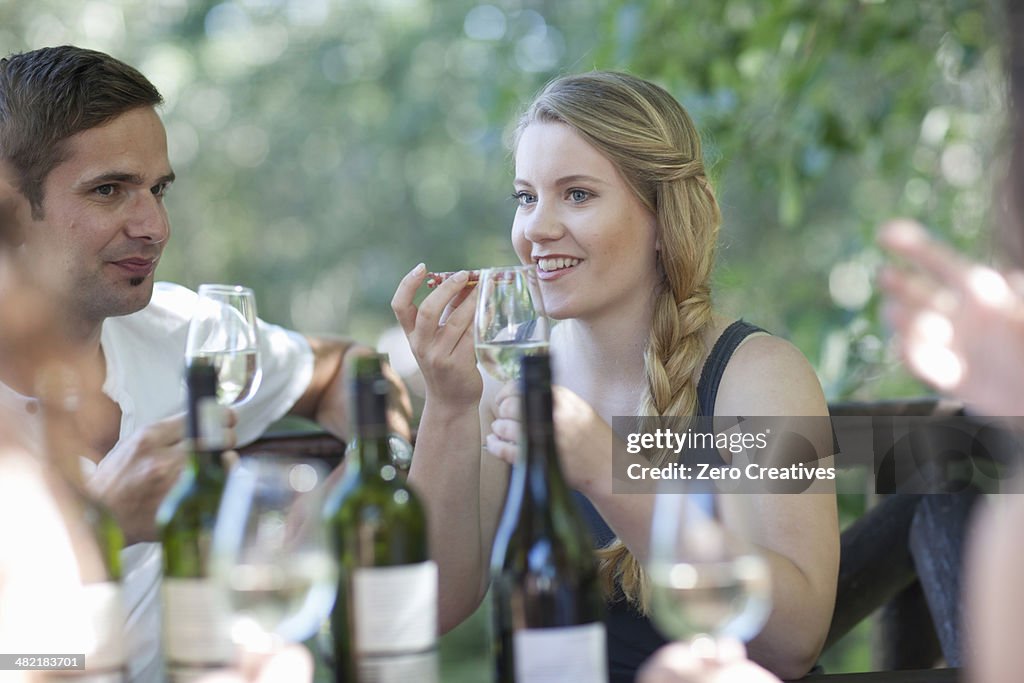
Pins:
x: 714, y: 366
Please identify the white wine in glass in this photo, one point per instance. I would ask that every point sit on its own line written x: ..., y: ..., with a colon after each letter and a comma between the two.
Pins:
x: 270, y: 551
x: 223, y: 333
x: 707, y: 580
x: 510, y: 320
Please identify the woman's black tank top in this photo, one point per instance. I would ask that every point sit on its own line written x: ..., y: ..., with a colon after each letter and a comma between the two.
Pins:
x: 631, y: 637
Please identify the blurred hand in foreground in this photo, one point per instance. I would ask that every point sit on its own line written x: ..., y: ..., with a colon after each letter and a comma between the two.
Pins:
x: 724, y: 662
x: 960, y: 324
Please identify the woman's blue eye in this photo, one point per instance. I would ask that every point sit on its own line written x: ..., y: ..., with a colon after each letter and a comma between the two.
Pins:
x: 523, y: 198
x: 579, y: 195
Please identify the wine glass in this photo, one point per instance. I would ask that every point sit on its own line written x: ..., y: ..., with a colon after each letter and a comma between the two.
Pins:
x: 510, y: 320
x: 271, y: 553
x: 707, y: 580
x: 222, y: 333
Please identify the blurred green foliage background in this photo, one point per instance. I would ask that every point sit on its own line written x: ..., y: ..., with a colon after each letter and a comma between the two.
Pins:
x: 324, y: 147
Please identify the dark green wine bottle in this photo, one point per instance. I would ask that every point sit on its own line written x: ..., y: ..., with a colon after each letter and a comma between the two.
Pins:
x: 195, y: 613
x: 384, y: 622
x: 547, y: 605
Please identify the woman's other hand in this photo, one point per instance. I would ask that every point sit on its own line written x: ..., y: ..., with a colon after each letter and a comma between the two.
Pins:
x: 584, y: 440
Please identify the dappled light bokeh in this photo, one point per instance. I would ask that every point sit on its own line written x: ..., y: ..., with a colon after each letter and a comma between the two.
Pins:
x: 323, y: 147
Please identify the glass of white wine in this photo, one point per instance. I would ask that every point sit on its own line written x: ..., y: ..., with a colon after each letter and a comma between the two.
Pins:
x: 510, y: 320
x: 223, y: 333
x: 271, y: 553
x: 708, y: 581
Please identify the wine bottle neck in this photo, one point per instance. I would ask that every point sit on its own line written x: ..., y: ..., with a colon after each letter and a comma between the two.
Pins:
x: 371, y: 412
x: 205, y: 426
x: 373, y: 454
x: 539, y: 453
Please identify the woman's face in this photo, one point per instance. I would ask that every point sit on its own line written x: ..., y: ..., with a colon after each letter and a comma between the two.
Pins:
x: 592, y: 240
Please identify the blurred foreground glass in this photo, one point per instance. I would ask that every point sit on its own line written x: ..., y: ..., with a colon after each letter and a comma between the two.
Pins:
x: 270, y: 551
x: 510, y: 320
x: 707, y: 580
x: 222, y: 333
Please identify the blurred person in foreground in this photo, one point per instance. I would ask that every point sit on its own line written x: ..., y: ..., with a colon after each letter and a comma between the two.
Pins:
x: 960, y: 328
x: 616, y: 211
x: 82, y: 144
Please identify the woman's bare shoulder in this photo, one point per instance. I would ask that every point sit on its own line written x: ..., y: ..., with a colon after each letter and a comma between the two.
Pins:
x: 768, y: 375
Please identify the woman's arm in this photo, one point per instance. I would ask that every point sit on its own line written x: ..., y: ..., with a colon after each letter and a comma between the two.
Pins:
x: 445, y: 468
x: 798, y: 532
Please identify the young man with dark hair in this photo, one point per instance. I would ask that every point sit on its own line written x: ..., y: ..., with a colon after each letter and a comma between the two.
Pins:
x: 82, y: 142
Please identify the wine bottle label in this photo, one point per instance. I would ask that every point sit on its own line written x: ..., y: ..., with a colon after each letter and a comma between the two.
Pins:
x: 421, y: 667
x: 197, y: 630
x: 567, y: 653
x: 211, y: 419
x: 395, y: 608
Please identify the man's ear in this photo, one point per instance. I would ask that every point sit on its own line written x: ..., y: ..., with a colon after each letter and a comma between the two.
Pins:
x: 15, y: 213
x: 13, y: 219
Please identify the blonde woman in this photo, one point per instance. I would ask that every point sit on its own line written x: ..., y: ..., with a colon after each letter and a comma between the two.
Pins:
x: 616, y: 211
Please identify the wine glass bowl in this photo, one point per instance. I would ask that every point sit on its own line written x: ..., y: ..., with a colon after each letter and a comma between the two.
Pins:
x: 510, y: 320
x: 223, y: 333
x: 270, y: 550
x: 707, y: 580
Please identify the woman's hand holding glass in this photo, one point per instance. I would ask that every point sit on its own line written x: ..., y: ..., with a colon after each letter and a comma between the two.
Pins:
x: 223, y: 333
x: 271, y: 553
x: 707, y: 580
x: 440, y: 334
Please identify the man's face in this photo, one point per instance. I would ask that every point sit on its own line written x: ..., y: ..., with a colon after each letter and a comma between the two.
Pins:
x: 103, y: 224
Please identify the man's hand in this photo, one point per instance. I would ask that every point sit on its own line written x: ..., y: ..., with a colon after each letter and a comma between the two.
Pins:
x: 133, y: 479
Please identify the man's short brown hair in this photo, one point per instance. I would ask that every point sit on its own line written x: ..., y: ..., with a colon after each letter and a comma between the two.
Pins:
x: 50, y: 94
